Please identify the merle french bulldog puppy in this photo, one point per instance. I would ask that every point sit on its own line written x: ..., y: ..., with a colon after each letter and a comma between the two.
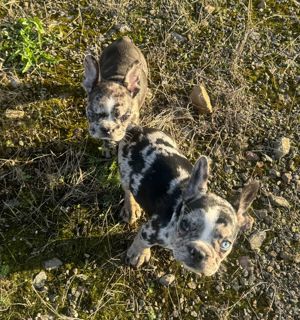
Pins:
x: 198, y: 226
x: 116, y: 89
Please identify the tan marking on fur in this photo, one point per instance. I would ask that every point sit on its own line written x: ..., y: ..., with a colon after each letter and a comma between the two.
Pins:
x: 131, y: 210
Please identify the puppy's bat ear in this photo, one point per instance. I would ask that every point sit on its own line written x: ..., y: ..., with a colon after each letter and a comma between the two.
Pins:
x: 91, y: 73
x: 247, y: 196
x: 199, y: 178
x: 132, y: 78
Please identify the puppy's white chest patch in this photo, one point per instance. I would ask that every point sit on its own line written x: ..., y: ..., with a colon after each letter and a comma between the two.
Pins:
x: 209, y: 223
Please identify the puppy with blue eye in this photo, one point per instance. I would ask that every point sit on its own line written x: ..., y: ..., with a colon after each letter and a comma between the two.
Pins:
x: 198, y: 226
x: 116, y: 89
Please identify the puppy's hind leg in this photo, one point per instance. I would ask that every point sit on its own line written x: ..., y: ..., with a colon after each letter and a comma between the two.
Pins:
x: 131, y: 210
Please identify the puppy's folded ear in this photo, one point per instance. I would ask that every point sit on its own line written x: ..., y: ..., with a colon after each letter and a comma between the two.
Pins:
x: 91, y: 73
x: 247, y: 196
x: 132, y: 78
x: 198, y: 180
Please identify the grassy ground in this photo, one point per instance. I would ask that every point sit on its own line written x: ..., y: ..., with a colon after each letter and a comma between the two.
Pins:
x: 60, y: 198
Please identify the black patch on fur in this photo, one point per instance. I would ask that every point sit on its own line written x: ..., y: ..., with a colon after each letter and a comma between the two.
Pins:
x: 152, y: 194
x: 224, y: 218
x: 144, y: 235
x: 203, y: 202
x: 163, y: 142
x: 125, y: 151
x: 151, y: 237
x: 137, y: 163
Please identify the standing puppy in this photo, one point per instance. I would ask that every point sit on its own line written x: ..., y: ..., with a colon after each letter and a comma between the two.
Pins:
x: 116, y: 88
x: 198, y: 226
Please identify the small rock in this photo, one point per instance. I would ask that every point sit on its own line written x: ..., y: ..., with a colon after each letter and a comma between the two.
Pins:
x: 298, y: 185
x: 246, y: 263
x: 286, y: 256
x: 296, y: 258
x: 270, y: 269
x: 15, y: 82
x: 52, y: 264
x: 228, y: 169
x: 256, y: 239
x: 251, y: 156
x: 260, y: 164
x: 122, y: 28
x: 200, y: 99
x: 274, y: 173
x: 192, y: 285
x: 178, y: 37
x: 175, y: 314
x: 263, y: 215
x: 282, y: 147
x: 286, y: 177
x: 194, y: 314
x: 279, y: 201
x: 39, y: 280
x: 167, y: 279
x: 267, y: 158
x: 220, y: 288
x: 209, y: 9
x: 235, y: 286
x: 14, y: 114
x: 261, y: 4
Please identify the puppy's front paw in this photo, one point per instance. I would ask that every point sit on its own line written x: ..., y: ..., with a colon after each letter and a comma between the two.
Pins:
x: 137, y: 258
x: 130, y: 214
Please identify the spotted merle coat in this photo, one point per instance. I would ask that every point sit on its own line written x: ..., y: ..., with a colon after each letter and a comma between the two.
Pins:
x: 116, y: 89
x: 198, y: 226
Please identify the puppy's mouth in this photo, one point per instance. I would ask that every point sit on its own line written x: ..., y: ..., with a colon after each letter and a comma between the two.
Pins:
x: 113, y: 139
x: 109, y: 137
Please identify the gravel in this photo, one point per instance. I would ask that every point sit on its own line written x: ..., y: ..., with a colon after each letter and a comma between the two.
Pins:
x: 256, y: 239
x: 282, y: 147
x: 51, y: 264
x: 39, y: 280
x: 167, y: 280
x: 279, y: 201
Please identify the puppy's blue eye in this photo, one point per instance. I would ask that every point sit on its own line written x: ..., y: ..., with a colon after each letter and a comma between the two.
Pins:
x: 225, y: 245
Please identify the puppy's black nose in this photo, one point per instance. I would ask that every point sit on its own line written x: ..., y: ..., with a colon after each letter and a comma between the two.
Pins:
x: 106, y: 131
x: 196, y: 255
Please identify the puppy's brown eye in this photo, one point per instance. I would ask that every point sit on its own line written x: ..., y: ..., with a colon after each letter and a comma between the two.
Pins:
x: 125, y: 116
x: 117, y: 113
